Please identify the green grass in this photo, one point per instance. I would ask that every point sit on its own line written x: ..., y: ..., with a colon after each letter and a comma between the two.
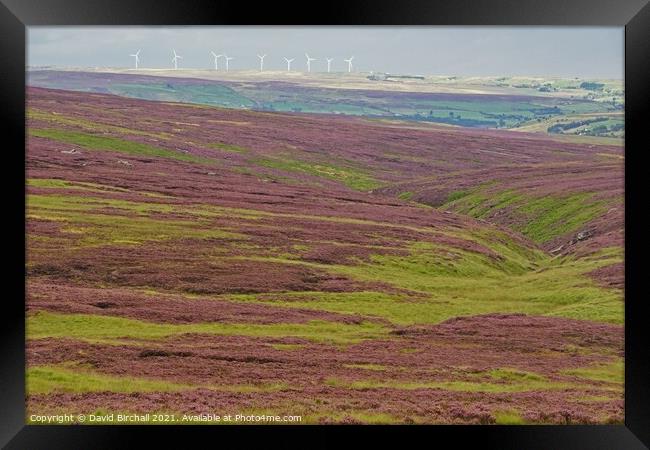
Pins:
x: 95, y: 328
x: 52, y: 183
x: 103, y: 229
x: 366, y: 366
x: 469, y: 286
x: 555, y: 216
x: 48, y: 379
x: 454, y: 386
x: 610, y: 373
x: 87, y: 203
x: 87, y: 125
x: 70, y: 378
x: 76, y: 209
x: 509, y: 374
x: 509, y: 417
x: 539, y: 218
x: 60, y: 203
x: 370, y: 304
x: 479, y: 204
x: 128, y: 222
x: 456, y: 195
x: 228, y: 147
x: 351, y: 177
x: 464, y: 286
x: 113, y: 144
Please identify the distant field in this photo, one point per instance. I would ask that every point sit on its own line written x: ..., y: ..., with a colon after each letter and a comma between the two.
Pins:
x: 604, y: 124
x: 185, y: 258
x: 510, y: 109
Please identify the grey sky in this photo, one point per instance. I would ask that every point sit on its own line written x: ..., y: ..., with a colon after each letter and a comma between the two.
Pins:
x: 551, y: 51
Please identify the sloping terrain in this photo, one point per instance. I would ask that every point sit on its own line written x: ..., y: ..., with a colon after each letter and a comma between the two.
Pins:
x: 188, y: 259
x: 283, y: 93
x: 574, y: 207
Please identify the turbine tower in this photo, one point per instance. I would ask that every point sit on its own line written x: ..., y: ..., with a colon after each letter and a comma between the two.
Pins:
x: 289, y: 61
x: 309, y: 60
x: 349, y: 61
x: 228, y: 58
x: 216, y: 60
x: 136, y: 55
x: 261, y: 57
x: 329, y: 64
x: 175, y: 59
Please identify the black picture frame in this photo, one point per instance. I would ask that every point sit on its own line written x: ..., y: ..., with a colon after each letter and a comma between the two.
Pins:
x: 634, y: 15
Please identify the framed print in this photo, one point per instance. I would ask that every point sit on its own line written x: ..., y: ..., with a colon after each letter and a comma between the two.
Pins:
x: 387, y: 220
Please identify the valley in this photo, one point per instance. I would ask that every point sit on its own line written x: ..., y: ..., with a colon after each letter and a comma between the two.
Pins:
x: 188, y: 256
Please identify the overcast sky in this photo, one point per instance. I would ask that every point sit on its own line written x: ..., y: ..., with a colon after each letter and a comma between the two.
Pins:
x: 504, y: 51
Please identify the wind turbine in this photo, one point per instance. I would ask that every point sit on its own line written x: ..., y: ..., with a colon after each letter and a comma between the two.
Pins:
x: 349, y: 61
x: 289, y: 61
x: 228, y: 58
x: 175, y: 59
x: 309, y: 60
x: 136, y: 55
x: 216, y: 60
x: 329, y: 63
x: 261, y: 57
